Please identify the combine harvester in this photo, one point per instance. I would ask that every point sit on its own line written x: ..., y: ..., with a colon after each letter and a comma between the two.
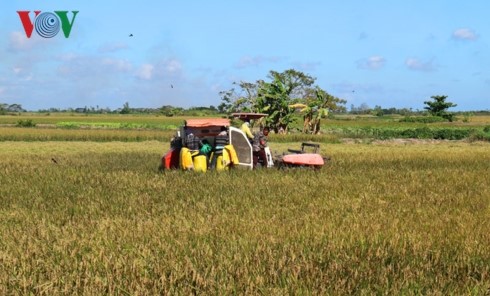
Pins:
x: 302, y: 158
x: 213, y: 144
x: 237, y: 152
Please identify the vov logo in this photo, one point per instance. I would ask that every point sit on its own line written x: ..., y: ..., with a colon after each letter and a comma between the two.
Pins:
x: 47, y: 24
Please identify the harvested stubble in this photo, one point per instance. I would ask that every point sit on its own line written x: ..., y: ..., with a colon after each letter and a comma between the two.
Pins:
x: 395, y: 219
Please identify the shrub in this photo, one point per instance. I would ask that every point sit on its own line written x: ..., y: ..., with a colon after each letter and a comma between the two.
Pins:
x: 483, y: 135
x: 424, y: 119
x: 25, y: 123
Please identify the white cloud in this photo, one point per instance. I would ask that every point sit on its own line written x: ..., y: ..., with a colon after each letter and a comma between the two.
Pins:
x: 173, y: 66
x: 22, y: 73
x: 145, y: 72
x: 79, y: 66
x: 307, y: 67
x: 353, y: 88
x: 112, y: 47
x: 164, y: 70
x: 2, y: 90
x: 419, y: 65
x: 19, y: 41
x: 119, y: 65
x: 465, y: 34
x: 248, y: 61
x: 372, y: 63
x: 66, y: 57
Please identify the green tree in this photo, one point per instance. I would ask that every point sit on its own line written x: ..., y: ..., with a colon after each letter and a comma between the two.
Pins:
x: 439, y: 106
x: 293, y: 86
x: 125, y: 109
x: 273, y: 100
x: 377, y: 111
x: 168, y: 110
x: 274, y: 97
x: 3, y: 108
x: 241, y: 100
x: 227, y: 101
x: 15, y: 108
x: 316, y: 106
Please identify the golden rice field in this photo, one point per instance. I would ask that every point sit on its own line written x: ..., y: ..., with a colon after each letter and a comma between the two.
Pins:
x: 381, y: 218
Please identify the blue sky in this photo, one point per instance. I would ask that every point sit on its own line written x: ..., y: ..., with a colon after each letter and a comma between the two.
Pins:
x: 183, y: 53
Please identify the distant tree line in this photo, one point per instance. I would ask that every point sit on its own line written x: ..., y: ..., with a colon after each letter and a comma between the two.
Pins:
x: 288, y: 95
x: 166, y: 110
x: 365, y: 109
x: 10, y: 108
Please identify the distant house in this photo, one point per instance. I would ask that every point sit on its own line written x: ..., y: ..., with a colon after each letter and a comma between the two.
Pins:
x: 80, y: 110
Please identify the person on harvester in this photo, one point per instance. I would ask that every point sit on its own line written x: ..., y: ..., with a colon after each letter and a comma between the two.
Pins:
x: 259, y: 143
x: 193, y: 142
x: 220, y: 141
x: 246, y: 129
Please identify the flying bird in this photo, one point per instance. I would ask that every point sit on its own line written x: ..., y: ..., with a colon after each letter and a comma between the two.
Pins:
x: 130, y: 35
x: 171, y: 86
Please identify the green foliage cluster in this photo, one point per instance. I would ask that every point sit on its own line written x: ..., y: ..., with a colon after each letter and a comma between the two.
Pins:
x: 438, y: 133
x: 10, y: 108
x: 422, y: 119
x: 275, y: 97
x: 101, y: 221
x: 25, y: 123
x: 439, y: 107
x: 481, y: 135
x: 125, y: 109
x: 302, y: 137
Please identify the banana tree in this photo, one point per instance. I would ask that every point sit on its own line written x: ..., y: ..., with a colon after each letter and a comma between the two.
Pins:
x: 315, y: 107
x: 273, y: 99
